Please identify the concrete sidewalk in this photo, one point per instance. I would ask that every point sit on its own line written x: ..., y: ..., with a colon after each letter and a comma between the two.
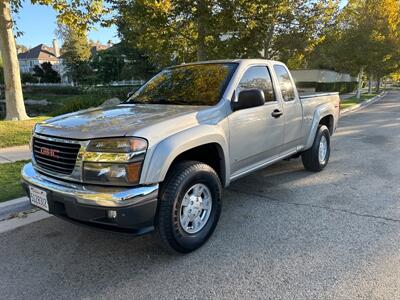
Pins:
x: 347, y: 96
x: 13, y: 154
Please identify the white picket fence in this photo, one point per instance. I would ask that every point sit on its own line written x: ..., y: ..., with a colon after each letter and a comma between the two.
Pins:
x: 49, y: 84
x: 114, y: 83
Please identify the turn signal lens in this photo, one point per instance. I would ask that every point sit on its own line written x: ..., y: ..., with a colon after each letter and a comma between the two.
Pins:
x: 133, y: 172
x: 112, y: 173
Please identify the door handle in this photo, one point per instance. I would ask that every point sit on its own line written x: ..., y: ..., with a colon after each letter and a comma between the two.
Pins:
x: 277, y: 113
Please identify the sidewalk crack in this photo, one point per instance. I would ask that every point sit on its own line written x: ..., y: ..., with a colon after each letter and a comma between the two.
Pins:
x: 5, y: 158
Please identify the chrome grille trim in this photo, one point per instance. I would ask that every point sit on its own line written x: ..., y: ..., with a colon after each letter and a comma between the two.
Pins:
x: 72, y: 175
x: 61, y: 157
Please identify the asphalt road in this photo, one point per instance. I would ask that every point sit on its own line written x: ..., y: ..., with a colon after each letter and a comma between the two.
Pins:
x: 284, y: 234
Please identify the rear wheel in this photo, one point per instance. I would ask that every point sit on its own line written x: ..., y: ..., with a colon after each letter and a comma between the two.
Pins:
x: 189, y: 206
x: 316, y: 158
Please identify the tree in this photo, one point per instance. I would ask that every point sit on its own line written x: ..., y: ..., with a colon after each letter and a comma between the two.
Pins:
x: 46, y: 73
x: 21, y: 48
x: 121, y: 62
x: 77, y: 14
x: 169, y: 31
x: 76, y: 53
x: 182, y: 31
x: 364, y: 40
x: 108, y: 65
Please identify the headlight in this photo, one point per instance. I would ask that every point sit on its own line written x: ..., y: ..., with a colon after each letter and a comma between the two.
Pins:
x: 117, y: 145
x: 116, y: 161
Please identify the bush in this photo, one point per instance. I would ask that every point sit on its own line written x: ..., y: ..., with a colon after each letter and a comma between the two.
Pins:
x: 28, y: 78
x: 79, y: 103
x: 306, y: 85
x: 340, y: 87
x: 119, y: 92
x: 55, y: 90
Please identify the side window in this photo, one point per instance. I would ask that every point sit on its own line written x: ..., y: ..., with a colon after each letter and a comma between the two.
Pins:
x: 287, y: 88
x: 258, y: 78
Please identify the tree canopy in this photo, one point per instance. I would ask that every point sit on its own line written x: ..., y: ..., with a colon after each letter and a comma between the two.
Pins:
x: 366, y: 36
x: 182, y: 31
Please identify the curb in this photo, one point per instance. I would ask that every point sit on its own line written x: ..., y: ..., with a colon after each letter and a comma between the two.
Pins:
x: 363, y: 104
x: 14, y: 223
x: 11, y: 207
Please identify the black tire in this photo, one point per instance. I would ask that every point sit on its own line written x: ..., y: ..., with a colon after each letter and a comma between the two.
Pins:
x: 310, y: 157
x: 179, y: 180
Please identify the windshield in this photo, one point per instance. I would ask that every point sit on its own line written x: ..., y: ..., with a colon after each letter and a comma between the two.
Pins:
x: 200, y: 84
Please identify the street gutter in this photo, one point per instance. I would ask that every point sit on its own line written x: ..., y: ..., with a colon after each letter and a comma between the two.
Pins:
x: 363, y: 104
x: 11, y: 207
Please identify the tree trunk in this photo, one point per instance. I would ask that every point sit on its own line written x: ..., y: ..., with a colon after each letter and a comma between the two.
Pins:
x: 267, y: 41
x: 378, y: 85
x: 359, y: 87
x: 15, y: 106
x: 370, y: 83
x: 201, y: 39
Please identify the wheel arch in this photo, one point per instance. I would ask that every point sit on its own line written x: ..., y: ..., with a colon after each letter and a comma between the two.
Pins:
x: 207, y: 145
x: 323, y: 115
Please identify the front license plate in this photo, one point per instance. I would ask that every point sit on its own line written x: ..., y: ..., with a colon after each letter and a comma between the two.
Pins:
x: 39, y: 198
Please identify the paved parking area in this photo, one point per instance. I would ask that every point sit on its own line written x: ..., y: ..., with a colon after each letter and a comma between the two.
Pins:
x: 284, y: 234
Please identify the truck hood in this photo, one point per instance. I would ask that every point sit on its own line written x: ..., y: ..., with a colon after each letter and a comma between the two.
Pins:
x: 121, y: 120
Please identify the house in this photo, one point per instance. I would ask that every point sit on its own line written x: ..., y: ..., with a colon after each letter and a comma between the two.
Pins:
x: 40, y: 54
x: 97, y: 47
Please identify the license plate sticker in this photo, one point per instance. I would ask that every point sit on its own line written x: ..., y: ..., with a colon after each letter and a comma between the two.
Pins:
x: 39, y: 198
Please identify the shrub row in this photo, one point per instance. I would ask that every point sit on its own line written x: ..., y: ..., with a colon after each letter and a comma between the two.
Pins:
x: 110, y: 91
x: 306, y: 85
x: 78, y: 103
x: 341, y: 87
x: 55, y: 90
x: 93, y: 97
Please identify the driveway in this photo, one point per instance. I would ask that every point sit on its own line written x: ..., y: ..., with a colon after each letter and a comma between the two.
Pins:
x: 284, y: 234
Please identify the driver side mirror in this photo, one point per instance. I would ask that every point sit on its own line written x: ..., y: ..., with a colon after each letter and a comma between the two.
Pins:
x: 248, y: 99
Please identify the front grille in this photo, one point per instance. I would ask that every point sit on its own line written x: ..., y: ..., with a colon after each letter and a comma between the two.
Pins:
x: 55, y: 156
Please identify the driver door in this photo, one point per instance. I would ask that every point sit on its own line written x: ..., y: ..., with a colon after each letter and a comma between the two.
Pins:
x: 256, y: 134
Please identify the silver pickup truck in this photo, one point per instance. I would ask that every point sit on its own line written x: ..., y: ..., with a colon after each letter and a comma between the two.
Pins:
x: 160, y: 160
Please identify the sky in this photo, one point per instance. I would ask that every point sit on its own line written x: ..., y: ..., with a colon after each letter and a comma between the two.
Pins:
x: 38, y: 24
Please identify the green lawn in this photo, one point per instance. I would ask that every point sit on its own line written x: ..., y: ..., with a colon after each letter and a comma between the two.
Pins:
x: 14, y: 133
x: 10, y: 176
x: 353, y: 100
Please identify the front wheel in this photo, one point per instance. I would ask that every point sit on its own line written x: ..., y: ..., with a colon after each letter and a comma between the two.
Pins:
x: 316, y: 158
x: 189, y: 206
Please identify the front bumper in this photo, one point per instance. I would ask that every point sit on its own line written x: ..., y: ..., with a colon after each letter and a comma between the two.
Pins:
x: 89, y: 204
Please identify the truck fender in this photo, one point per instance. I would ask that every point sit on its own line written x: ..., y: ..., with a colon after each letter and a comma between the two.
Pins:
x: 158, y: 162
x: 321, y: 112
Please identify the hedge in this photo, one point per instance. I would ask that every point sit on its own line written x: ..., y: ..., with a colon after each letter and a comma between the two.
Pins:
x: 306, y: 85
x: 341, y: 87
x: 55, y: 90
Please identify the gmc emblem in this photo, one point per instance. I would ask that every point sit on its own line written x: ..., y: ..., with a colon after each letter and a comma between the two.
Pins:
x: 49, y: 152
